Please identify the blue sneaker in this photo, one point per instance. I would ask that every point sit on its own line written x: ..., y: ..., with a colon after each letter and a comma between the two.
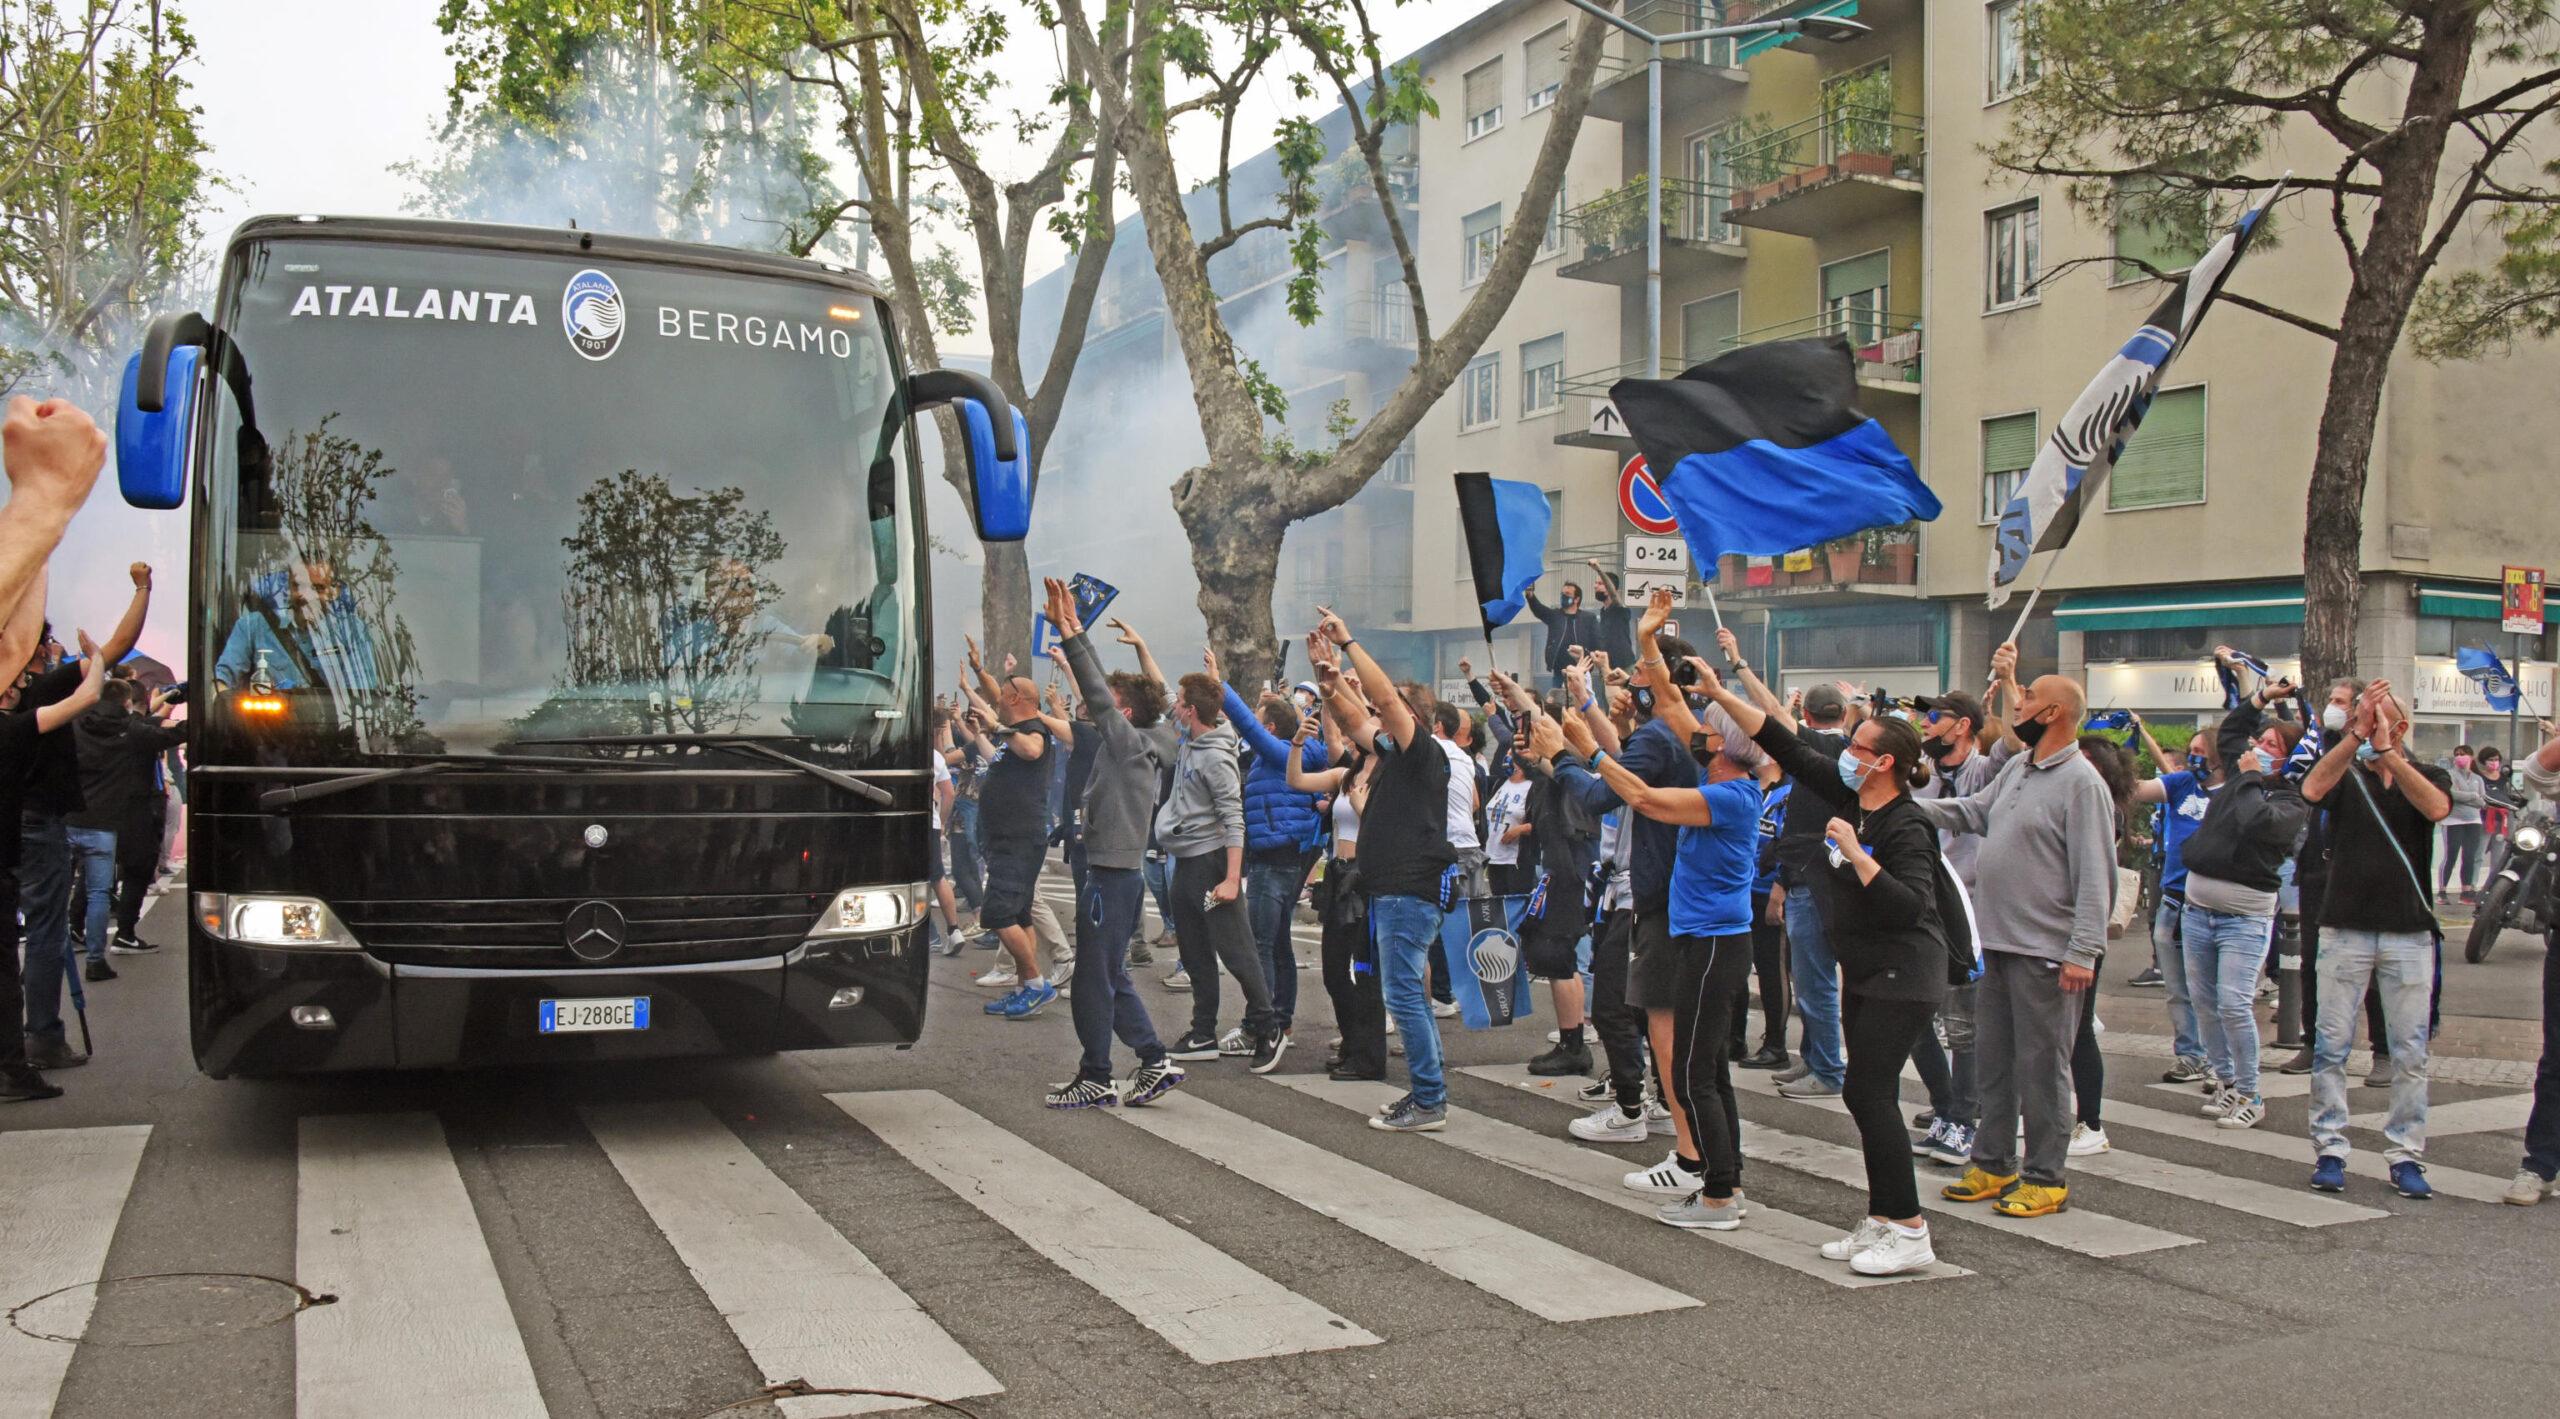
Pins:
x: 1003, y: 1003
x: 1029, y: 1001
x: 2410, y: 1181
x: 2330, y: 1175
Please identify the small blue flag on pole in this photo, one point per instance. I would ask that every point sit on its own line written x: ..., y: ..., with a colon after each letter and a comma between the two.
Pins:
x: 1505, y: 523
x: 2496, y: 685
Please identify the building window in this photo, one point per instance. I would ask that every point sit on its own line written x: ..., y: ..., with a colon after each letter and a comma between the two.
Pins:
x: 2011, y: 67
x: 2163, y: 466
x: 1551, y: 240
x: 2008, y: 448
x: 2269, y: 643
x: 1481, y: 232
x: 1541, y: 70
x: 1711, y: 168
x: 1855, y: 293
x: 2150, y: 233
x: 1710, y: 327
x: 1541, y: 375
x: 1484, y: 99
x: 1480, y: 392
x: 2016, y: 235
x: 1884, y: 645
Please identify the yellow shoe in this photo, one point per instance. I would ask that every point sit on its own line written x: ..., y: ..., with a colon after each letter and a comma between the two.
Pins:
x: 2032, y: 1200
x: 1977, y: 1186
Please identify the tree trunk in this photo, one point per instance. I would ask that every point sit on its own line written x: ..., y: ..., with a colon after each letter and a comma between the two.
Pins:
x: 2388, y: 272
x: 1004, y: 600
x: 1235, y: 552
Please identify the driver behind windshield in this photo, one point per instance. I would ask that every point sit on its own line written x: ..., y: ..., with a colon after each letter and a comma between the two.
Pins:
x: 299, y: 630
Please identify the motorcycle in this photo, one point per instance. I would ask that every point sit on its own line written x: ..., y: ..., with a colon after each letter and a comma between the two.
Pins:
x: 2520, y: 884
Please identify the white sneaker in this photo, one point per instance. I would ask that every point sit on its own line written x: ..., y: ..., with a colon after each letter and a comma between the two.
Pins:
x: 1657, y: 1119
x: 1869, y: 1232
x: 1900, y: 1251
x: 2529, y: 1189
x: 1001, y: 973
x: 1668, y: 1178
x: 2243, y: 1113
x: 2084, y: 1142
x: 1448, y: 1009
x: 1234, y: 1045
x: 1391, y: 1024
x: 1555, y: 1037
x: 2221, y: 1101
x: 1609, y: 1125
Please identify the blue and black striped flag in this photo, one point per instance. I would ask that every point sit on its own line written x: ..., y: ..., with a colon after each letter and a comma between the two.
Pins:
x: 1505, y: 524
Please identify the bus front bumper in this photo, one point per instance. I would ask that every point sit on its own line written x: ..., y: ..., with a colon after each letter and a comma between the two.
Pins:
x: 259, y: 1011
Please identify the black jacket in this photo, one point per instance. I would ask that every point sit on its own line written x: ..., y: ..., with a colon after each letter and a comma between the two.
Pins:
x: 1888, y: 933
x: 2253, y: 821
x: 117, y: 749
x: 1565, y: 630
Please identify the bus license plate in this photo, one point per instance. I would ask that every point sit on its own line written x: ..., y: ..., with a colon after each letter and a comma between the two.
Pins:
x: 574, y: 1017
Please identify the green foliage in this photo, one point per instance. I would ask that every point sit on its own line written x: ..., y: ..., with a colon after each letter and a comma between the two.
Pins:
x: 949, y: 296
x: 102, y: 185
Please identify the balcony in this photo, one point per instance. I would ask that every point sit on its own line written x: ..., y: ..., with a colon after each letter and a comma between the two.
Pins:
x: 1695, y: 73
x: 1380, y: 322
x: 1608, y: 233
x: 1360, y: 600
x: 1347, y: 198
x: 1835, y: 170
x: 1887, y: 346
x: 1882, y: 562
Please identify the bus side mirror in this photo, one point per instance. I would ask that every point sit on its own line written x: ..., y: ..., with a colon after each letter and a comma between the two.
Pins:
x: 153, y: 416
x: 998, y: 440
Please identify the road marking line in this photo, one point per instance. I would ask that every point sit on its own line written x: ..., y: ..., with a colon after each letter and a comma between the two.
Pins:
x: 61, y: 1193
x: 421, y: 1326
x: 2505, y: 1113
x: 2075, y: 1230
x: 1207, y: 1304
x: 805, y: 1302
x: 2296, y: 1148
x: 1539, y: 1276
x: 2271, y: 1085
x: 1767, y: 1233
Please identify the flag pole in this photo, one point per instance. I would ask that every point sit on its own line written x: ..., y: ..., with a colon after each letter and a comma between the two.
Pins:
x: 1711, y: 605
x: 2017, y: 627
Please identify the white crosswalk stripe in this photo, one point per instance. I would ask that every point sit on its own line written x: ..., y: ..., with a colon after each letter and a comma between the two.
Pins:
x: 421, y: 1327
x: 2076, y: 1230
x: 2278, y: 1204
x: 1537, y: 1275
x: 1207, y: 1304
x: 2296, y: 1149
x: 61, y: 1190
x: 1767, y: 1233
x: 2501, y: 1113
x: 803, y: 1301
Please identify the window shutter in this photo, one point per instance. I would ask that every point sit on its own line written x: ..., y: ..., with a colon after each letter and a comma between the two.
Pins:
x: 2164, y: 462
x: 1484, y: 88
x: 2008, y: 444
x: 1542, y: 66
x: 1859, y: 273
x: 2150, y: 241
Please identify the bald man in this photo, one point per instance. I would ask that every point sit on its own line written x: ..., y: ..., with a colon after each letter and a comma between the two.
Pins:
x: 2045, y: 873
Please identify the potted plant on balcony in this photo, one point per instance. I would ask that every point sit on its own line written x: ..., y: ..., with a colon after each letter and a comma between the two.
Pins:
x: 1891, y: 555
x: 1841, y: 559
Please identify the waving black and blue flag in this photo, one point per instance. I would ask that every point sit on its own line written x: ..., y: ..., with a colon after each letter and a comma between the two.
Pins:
x: 1505, y: 523
x: 1763, y: 450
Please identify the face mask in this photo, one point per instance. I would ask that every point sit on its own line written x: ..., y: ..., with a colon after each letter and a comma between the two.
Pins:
x: 2334, y: 718
x: 2462, y: 761
x: 1643, y: 698
x: 1852, y: 772
x: 2195, y: 763
x: 1573, y: 603
x: 1937, y: 748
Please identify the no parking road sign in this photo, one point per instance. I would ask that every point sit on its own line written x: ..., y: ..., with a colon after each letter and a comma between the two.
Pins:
x: 1640, y: 500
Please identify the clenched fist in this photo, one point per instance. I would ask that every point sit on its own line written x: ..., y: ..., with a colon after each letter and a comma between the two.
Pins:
x: 53, y: 451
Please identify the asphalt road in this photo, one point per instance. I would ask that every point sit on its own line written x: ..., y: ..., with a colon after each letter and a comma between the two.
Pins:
x: 662, y: 1241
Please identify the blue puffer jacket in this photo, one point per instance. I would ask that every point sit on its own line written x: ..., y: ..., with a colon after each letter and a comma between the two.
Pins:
x: 1276, y: 816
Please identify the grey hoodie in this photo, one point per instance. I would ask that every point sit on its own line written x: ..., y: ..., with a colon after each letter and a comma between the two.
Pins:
x: 1120, y: 794
x: 1206, y: 810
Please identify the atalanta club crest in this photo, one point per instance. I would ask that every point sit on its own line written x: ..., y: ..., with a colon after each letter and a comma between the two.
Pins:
x: 591, y: 314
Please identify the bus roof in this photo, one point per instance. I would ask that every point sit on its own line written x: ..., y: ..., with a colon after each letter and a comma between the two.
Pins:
x: 562, y: 241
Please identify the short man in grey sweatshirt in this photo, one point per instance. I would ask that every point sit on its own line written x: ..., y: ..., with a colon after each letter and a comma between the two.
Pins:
x: 2044, y: 878
x: 1126, y: 714
x: 1201, y: 827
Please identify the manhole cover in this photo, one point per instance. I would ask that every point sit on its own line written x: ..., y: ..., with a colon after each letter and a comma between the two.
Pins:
x: 165, y: 1309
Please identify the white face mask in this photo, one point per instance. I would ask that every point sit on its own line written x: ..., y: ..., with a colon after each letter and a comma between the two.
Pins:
x: 2334, y: 718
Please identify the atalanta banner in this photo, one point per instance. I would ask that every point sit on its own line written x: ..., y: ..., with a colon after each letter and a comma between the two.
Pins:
x: 1480, y: 944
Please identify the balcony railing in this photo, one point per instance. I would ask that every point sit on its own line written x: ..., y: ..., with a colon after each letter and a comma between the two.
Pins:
x: 1397, y: 471
x: 1856, y: 139
x: 1595, y: 383
x: 1384, y: 315
x: 1887, y: 345
x: 1614, y: 222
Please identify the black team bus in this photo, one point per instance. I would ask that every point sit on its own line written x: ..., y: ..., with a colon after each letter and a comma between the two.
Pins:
x: 557, y: 645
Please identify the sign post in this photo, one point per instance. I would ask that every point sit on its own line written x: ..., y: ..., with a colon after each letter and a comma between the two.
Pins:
x: 2520, y: 608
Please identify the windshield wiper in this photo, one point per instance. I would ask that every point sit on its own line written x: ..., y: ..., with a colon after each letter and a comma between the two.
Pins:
x: 759, y: 745
x: 276, y: 798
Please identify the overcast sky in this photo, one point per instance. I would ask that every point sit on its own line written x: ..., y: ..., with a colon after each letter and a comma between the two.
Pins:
x: 309, y: 104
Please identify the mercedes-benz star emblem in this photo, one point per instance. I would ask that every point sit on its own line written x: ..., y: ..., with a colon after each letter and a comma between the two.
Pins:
x: 593, y: 930
x: 596, y: 835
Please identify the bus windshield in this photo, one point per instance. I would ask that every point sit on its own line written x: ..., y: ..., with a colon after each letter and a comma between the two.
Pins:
x: 489, y: 496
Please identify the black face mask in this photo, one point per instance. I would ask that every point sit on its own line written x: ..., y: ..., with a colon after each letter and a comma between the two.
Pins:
x: 1573, y: 603
x: 1937, y: 748
x: 1643, y: 698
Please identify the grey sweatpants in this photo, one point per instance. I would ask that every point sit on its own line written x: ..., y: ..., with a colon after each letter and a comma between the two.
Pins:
x: 2024, y: 1027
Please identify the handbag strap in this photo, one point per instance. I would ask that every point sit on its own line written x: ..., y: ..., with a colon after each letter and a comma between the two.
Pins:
x: 2425, y: 903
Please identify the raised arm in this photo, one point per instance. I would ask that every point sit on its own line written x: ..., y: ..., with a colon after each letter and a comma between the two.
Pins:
x: 2392, y: 730
x: 986, y: 687
x: 1669, y: 704
x: 1146, y: 658
x: 53, y: 454
x: 1302, y: 778
x: 1681, y: 807
x: 93, y: 676
x: 1394, y: 715
x: 25, y: 627
x: 2326, y: 775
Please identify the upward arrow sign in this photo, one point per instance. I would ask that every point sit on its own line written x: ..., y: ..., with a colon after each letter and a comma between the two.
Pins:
x: 1605, y: 420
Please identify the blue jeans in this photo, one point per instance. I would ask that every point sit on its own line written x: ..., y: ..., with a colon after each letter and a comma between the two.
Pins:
x: 1158, y: 872
x: 44, y: 893
x: 93, y: 859
x: 1105, y: 1003
x: 2224, y: 953
x: 2168, y: 946
x: 1408, y: 936
x: 1817, y: 974
x: 2401, y: 965
x: 1271, y: 895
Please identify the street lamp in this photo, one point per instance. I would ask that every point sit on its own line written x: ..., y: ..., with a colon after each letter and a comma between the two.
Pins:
x: 1823, y: 27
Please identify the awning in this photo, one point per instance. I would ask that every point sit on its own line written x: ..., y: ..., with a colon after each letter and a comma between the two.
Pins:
x: 2268, y: 604
x: 1762, y: 44
x: 2472, y: 601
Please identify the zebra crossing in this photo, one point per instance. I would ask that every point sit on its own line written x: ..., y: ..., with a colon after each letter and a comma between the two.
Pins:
x: 423, y: 1323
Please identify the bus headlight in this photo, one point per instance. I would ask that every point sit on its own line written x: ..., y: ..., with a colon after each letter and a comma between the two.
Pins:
x: 2528, y: 839
x: 868, y: 911
x: 254, y: 920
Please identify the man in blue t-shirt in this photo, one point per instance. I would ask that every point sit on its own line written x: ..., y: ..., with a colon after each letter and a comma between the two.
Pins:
x: 2182, y: 797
